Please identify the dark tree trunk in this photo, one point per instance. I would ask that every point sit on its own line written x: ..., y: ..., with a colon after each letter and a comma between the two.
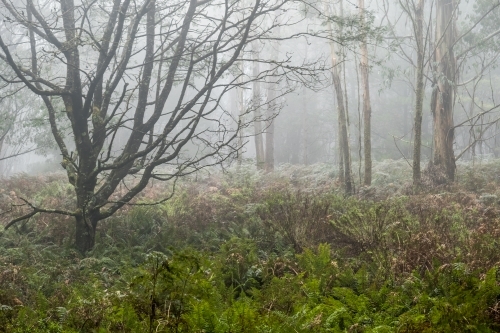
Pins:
x: 85, y: 232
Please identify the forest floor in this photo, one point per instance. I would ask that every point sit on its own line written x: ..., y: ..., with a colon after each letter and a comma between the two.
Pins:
x: 243, y: 251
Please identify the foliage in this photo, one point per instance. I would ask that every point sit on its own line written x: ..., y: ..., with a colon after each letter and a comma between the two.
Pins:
x: 246, y: 252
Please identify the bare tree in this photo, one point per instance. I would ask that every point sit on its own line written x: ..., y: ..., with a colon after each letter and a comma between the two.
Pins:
x: 151, y: 71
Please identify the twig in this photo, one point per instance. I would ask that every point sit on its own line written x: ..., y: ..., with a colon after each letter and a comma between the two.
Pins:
x: 401, y: 151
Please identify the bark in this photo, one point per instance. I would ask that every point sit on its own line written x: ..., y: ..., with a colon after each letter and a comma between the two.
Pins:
x: 496, y: 148
x: 345, y: 158
x: 271, y: 106
x: 241, y: 112
x: 357, y: 91
x: 341, y: 155
x: 259, y: 142
x: 86, y: 225
x: 304, y: 142
x: 443, y: 162
x: 271, y: 103
x: 344, y: 147
x: 367, y: 108
x: 419, y: 93
x: 2, y: 170
x: 304, y: 128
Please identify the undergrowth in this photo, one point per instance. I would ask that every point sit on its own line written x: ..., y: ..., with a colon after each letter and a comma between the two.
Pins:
x: 248, y: 252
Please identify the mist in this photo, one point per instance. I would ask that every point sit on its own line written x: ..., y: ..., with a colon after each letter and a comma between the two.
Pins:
x: 305, y: 115
x: 249, y: 165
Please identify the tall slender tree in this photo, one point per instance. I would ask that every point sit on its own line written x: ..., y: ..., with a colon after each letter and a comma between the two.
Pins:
x: 442, y: 102
x: 367, y: 108
x: 418, y: 30
x: 271, y: 108
x: 256, y: 105
x: 344, y: 147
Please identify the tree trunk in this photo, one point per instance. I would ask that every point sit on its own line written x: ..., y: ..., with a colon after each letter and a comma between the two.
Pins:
x: 496, y: 149
x: 304, y: 128
x: 443, y: 163
x: 341, y: 155
x: 3, y: 172
x: 259, y: 142
x: 241, y: 112
x: 304, y: 114
x: 271, y: 103
x: 367, y: 108
x: 342, y: 118
x: 85, y: 233
x: 344, y: 148
x: 419, y: 93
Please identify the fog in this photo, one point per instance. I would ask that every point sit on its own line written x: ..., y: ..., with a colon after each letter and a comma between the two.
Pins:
x: 280, y: 88
x: 249, y: 166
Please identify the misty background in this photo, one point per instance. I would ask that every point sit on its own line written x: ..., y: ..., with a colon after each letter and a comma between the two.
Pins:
x: 305, y: 119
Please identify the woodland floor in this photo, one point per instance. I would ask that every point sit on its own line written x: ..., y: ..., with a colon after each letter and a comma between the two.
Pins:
x: 245, y: 251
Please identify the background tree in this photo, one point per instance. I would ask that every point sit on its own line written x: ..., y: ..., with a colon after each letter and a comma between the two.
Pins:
x: 367, y: 108
x: 257, y: 105
x: 415, y: 13
x: 344, y: 147
x: 22, y: 127
x: 418, y: 29
x: 442, y: 102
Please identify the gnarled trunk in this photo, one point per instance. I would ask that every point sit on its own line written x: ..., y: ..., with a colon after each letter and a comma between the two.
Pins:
x: 85, y: 232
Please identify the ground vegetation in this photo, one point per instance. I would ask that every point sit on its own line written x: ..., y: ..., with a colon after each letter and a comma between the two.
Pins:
x: 246, y: 251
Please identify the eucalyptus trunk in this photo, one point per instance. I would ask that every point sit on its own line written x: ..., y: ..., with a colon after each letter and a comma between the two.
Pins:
x: 259, y: 142
x: 443, y: 161
x: 271, y: 104
x: 241, y: 112
x: 344, y: 152
x: 344, y: 147
x: 367, y: 108
x: 419, y: 93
